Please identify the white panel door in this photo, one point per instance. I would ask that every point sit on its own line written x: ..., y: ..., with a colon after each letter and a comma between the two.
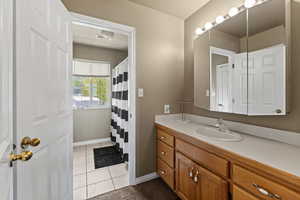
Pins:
x: 6, y: 133
x: 43, y: 99
x: 224, y: 88
x: 267, y: 81
x: 240, y: 87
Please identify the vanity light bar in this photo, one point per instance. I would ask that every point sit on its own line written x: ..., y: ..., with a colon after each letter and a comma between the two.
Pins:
x: 232, y: 12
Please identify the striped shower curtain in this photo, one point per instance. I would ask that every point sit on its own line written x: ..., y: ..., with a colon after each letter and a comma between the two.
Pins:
x: 119, y: 121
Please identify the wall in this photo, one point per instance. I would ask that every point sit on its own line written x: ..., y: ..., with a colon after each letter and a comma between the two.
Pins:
x: 101, y: 54
x: 91, y: 124
x: 264, y: 39
x: 220, y: 7
x: 160, y: 67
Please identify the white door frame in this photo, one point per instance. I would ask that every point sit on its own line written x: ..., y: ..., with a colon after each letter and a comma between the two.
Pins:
x: 131, y: 33
x: 223, y: 52
x: 7, y: 76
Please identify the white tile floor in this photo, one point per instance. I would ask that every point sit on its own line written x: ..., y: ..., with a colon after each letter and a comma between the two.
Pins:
x: 89, y: 182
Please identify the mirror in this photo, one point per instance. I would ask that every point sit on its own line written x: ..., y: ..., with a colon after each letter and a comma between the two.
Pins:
x: 240, y: 64
x: 267, y: 44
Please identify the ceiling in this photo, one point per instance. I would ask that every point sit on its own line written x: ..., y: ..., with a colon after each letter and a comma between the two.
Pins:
x: 88, y: 36
x: 181, y: 9
x: 261, y: 18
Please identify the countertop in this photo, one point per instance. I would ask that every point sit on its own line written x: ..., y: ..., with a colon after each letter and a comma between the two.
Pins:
x: 279, y: 155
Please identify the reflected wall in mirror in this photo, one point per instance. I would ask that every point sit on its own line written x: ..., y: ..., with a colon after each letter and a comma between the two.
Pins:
x: 240, y: 65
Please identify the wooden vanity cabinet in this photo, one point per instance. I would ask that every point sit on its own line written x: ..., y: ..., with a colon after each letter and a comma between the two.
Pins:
x: 196, y: 183
x: 165, y: 157
x: 185, y: 185
x: 239, y: 194
x: 196, y: 170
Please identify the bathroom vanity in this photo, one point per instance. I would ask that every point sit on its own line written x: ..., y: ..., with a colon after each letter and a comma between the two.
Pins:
x: 198, y: 167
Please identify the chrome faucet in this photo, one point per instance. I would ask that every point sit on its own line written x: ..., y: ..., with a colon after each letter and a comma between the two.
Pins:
x: 221, y: 126
x: 182, y: 103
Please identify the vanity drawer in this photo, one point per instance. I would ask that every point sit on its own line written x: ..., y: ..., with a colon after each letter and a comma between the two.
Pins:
x: 239, y: 194
x: 261, y: 186
x: 204, y: 158
x: 166, y: 153
x: 165, y: 172
x: 165, y: 137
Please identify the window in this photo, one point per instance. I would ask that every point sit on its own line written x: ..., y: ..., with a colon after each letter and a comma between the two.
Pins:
x: 91, y: 84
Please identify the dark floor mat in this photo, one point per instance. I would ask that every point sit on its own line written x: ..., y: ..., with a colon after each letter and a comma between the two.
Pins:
x: 107, y: 156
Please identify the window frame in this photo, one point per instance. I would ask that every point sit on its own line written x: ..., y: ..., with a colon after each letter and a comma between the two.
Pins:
x: 92, y: 107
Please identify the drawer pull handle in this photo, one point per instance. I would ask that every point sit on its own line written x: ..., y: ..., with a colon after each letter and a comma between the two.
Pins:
x: 191, y: 173
x: 163, y: 153
x: 196, y: 177
x: 266, y: 192
x: 162, y: 172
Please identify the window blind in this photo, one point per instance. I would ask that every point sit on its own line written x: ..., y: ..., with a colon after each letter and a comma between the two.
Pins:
x: 90, y: 68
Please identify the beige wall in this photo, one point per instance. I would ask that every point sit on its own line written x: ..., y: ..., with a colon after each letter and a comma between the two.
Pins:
x: 264, y: 39
x: 160, y: 67
x: 101, y: 54
x: 91, y: 124
x: 208, y: 13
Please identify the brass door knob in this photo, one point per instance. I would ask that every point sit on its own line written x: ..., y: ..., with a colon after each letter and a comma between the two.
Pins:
x: 27, y: 141
x: 24, y: 156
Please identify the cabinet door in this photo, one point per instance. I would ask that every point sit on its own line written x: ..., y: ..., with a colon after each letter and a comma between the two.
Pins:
x: 210, y: 186
x: 239, y: 194
x: 185, y: 186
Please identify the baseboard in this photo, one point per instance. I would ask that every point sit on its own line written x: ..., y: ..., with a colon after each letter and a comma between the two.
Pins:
x: 146, y: 178
x: 76, y: 144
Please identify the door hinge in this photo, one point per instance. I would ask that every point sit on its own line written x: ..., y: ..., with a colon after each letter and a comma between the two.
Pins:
x: 233, y: 101
x: 233, y: 66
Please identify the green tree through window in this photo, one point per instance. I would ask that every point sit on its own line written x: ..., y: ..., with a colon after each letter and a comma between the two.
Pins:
x: 91, y: 91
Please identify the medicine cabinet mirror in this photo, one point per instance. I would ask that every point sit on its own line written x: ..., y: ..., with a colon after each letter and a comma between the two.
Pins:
x: 241, y: 64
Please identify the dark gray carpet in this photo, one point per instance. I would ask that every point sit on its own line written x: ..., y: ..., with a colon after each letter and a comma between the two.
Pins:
x: 152, y: 190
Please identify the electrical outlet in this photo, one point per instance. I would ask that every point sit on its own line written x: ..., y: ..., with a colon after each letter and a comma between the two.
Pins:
x: 167, y: 109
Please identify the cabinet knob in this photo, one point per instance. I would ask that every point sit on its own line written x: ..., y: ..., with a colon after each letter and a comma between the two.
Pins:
x: 163, y: 153
x: 162, y: 137
x: 278, y: 111
x: 162, y: 172
x: 195, y: 179
x: 191, y: 173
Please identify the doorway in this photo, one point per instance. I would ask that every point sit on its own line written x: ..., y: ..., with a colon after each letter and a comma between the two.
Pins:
x: 103, y: 83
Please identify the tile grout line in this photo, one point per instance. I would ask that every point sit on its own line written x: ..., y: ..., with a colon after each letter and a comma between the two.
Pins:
x: 111, y: 178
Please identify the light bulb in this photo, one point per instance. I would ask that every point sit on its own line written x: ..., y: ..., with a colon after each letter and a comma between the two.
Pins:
x: 220, y: 19
x: 233, y: 11
x: 208, y: 26
x: 199, y: 31
x: 250, y: 3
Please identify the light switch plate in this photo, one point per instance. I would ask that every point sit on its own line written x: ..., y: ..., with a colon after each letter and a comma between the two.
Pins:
x: 167, y: 109
x: 207, y: 93
x: 141, y: 92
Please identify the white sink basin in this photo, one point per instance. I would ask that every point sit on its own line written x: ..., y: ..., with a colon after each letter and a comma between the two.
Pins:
x: 185, y: 121
x: 216, y: 134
